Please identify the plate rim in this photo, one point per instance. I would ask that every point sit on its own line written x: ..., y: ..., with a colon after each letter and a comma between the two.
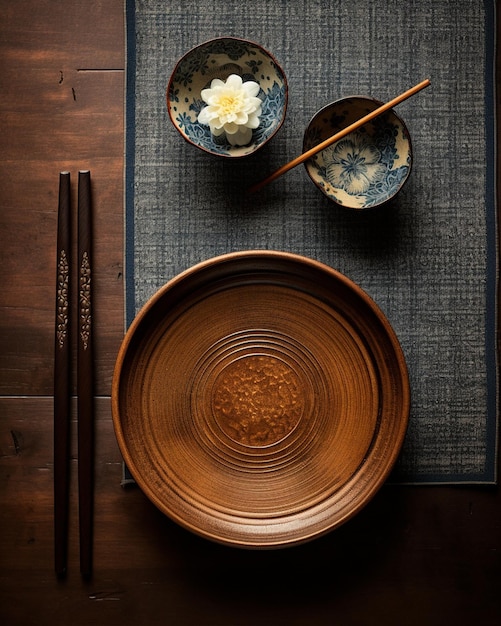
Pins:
x: 369, y: 491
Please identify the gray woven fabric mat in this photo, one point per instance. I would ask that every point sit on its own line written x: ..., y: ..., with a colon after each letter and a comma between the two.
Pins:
x: 428, y: 260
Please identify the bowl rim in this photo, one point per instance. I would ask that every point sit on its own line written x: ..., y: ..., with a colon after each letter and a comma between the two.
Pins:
x: 391, y: 111
x: 244, y: 41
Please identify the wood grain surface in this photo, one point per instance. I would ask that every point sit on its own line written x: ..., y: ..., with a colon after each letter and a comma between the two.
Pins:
x: 413, y: 556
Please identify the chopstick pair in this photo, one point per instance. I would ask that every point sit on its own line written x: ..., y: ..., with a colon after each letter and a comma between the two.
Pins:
x: 62, y: 374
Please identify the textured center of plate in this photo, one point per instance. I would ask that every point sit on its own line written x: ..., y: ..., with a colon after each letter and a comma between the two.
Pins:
x: 257, y: 400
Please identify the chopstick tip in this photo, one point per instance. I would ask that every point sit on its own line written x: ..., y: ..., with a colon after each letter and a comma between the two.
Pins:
x: 250, y: 191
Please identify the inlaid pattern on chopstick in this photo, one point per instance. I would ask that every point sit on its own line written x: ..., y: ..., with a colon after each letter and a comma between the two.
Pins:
x: 62, y: 376
x: 62, y: 298
x: 85, y: 378
x: 85, y: 300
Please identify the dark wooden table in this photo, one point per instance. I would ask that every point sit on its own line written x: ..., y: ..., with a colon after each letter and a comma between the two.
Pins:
x: 415, y: 555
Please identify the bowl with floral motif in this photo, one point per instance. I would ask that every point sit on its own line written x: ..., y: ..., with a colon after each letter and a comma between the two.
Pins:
x: 369, y: 166
x: 227, y: 96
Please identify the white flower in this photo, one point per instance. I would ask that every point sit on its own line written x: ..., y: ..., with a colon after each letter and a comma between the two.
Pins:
x: 233, y: 108
x: 353, y: 164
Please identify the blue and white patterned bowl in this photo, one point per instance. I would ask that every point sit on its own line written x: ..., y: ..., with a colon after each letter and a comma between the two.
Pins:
x: 366, y: 168
x: 218, y: 58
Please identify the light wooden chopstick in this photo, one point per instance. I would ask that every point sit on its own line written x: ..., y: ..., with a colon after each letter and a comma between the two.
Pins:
x: 342, y: 133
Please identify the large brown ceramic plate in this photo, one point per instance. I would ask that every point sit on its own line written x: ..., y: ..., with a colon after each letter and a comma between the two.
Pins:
x: 260, y: 399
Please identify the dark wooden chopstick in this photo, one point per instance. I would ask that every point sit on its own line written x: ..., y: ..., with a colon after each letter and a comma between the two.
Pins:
x: 62, y: 376
x: 85, y: 375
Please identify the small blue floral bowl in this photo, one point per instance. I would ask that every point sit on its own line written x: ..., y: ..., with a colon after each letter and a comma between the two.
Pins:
x: 219, y: 58
x: 366, y: 168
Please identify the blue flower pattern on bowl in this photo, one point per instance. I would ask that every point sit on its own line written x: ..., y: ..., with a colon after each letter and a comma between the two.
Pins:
x: 354, y: 164
x: 218, y: 59
x: 367, y: 167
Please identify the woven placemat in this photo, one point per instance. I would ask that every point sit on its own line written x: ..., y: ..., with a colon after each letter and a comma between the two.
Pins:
x: 429, y: 260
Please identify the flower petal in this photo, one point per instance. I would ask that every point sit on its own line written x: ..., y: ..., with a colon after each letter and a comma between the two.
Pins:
x: 370, y: 153
x: 358, y: 184
x: 205, y: 116
x: 376, y: 172
x: 240, y: 138
x: 217, y: 132
x: 234, y: 81
x: 342, y: 150
x: 217, y: 82
x: 251, y: 88
x: 230, y: 128
x: 253, y: 121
